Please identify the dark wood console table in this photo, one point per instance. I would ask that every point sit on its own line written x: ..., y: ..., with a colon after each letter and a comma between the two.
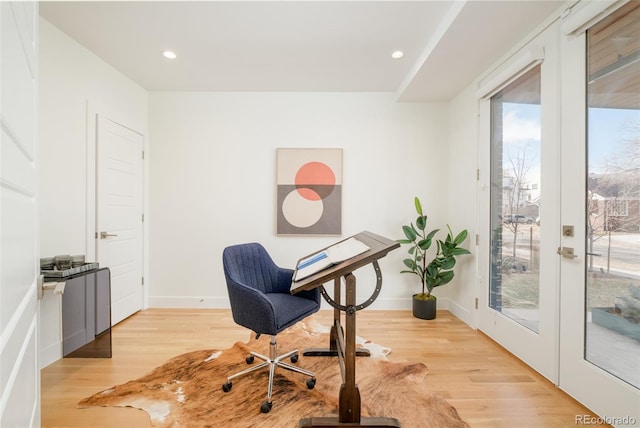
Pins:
x: 342, y: 343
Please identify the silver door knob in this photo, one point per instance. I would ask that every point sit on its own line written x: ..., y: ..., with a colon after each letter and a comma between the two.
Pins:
x: 104, y: 235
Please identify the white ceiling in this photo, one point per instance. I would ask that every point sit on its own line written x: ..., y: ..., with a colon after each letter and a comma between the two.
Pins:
x: 303, y: 46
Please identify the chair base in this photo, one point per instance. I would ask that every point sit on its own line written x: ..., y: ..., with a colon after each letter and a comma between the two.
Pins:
x: 272, y: 361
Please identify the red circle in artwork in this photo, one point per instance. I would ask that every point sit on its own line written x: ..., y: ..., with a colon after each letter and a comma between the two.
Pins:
x: 312, y: 177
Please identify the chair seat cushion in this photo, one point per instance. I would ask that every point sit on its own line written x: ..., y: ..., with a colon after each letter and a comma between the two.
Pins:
x: 289, y: 309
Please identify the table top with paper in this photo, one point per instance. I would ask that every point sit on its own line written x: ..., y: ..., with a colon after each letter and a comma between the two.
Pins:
x: 334, y: 254
x: 378, y: 245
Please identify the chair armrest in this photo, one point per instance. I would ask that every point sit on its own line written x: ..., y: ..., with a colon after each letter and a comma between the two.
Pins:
x: 284, y: 278
x: 251, y: 308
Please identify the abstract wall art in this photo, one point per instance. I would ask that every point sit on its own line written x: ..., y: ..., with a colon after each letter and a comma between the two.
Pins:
x: 309, y: 191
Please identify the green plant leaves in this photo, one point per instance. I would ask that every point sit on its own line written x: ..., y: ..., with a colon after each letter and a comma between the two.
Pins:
x: 424, y: 244
x: 461, y: 237
x: 448, y: 263
x: 459, y: 251
x: 444, y: 278
x: 439, y: 270
x: 410, y: 264
x: 418, y: 205
x: 421, y: 222
x: 410, y: 233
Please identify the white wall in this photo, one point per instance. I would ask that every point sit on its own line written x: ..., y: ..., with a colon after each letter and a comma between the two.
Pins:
x: 212, y: 181
x: 211, y: 176
x: 462, y: 204
x: 72, y: 81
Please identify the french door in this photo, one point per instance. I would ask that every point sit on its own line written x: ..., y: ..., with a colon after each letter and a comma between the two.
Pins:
x: 560, y: 276
x: 600, y: 282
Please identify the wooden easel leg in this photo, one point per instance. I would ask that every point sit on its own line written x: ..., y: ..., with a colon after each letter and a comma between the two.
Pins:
x: 349, y: 411
x: 349, y: 400
x: 349, y: 393
x: 333, y: 338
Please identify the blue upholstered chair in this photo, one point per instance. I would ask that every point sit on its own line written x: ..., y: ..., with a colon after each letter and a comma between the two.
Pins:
x: 259, y: 292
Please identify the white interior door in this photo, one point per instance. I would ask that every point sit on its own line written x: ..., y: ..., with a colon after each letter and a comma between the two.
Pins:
x: 19, y: 266
x: 519, y: 267
x: 119, y: 216
x: 600, y: 300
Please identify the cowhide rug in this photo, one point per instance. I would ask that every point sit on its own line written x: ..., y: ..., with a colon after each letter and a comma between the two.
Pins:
x: 187, y: 391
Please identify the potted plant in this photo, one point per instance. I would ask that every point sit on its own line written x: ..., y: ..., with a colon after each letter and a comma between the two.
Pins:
x: 432, y: 272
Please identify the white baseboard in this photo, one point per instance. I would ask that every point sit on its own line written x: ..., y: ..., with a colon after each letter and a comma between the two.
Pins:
x: 391, y: 304
x: 460, y: 312
x: 192, y: 302
x: 195, y: 302
x: 388, y: 304
x: 50, y: 354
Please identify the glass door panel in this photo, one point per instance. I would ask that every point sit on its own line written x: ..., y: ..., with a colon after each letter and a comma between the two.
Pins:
x: 599, y: 357
x: 612, y: 290
x: 515, y: 200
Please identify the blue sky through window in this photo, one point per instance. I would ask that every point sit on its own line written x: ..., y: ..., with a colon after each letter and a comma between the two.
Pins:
x: 521, y: 133
x: 609, y: 131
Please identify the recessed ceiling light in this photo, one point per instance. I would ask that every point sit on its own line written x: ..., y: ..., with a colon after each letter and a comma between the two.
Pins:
x: 397, y: 55
x: 169, y: 54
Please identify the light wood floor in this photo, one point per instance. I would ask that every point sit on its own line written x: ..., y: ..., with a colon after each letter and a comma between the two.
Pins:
x: 487, y: 385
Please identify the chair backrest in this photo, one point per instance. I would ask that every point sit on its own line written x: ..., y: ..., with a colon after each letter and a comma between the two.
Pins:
x: 250, y: 265
x: 259, y: 291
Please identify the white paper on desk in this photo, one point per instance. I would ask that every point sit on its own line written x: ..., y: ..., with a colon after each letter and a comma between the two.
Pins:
x: 335, y: 254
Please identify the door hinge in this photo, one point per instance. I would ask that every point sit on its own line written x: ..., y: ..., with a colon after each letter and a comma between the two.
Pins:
x: 477, y: 174
x: 142, y: 280
x: 477, y: 239
x: 143, y: 217
x: 96, y: 235
x: 143, y: 155
x: 476, y: 303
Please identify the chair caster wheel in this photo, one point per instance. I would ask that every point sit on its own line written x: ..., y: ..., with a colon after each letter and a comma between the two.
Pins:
x: 311, y: 383
x: 226, y: 387
x: 249, y: 359
x: 265, y: 407
x: 294, y: 358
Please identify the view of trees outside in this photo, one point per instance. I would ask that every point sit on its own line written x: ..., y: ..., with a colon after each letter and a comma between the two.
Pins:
x: 521, y: 214
x: 613, y: 205
x: 612, y: 289
x: 515, y: 199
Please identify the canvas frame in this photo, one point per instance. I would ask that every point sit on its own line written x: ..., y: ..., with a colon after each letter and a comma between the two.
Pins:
x: 309, y: 191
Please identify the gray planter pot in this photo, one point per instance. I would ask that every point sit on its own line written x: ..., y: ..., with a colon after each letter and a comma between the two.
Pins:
x: 424, y: 309
x: 607, y: 318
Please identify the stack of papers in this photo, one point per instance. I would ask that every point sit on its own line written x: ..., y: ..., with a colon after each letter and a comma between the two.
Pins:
x: 335, y: 254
